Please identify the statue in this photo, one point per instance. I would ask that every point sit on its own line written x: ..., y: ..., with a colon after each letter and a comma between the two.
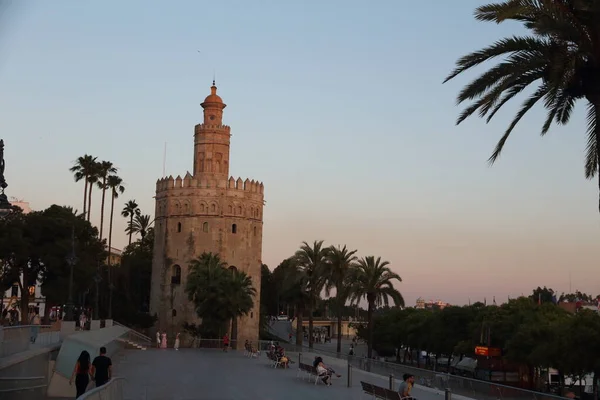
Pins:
x: 4, y: 204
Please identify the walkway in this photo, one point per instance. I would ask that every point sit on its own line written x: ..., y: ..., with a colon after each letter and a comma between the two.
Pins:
x: 190, y: 374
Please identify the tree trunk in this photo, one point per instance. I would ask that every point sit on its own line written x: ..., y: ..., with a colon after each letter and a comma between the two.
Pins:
x: 339, y: 327
x: 370, y: 328
x: 310, y: 324
x: 102, y: 208
x: 110, y: 226
x: 85, y: 190
x: 299, y: 332
x: 595, y: 386
x: 24, y: 298
x: 89, y: 205
x: 130, y: 225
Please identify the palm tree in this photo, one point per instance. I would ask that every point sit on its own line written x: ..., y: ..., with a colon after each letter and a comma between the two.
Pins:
x: 105, y: 169
x: 312, y: 261
x: 372, y: 279
x: 341, y: 264
x: 130, y: 210
x: 115, y: 184
x: 240, y: 295
x: 140, y: 224
x: 293, y: 291
x: 93, y: 178
x: 560, y: 56
x: 218, y: 294
x: 82, y: 169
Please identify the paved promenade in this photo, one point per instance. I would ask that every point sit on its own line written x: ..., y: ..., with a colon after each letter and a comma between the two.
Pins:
x: 193, y: 374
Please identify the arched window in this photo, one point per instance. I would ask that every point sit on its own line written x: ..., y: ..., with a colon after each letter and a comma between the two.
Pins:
x: 176, y: 275
x: 255, y: 230
x: 179, y: 227
x: 232, y: 268
x: 234, y: 228
x: 240, y: 210
x: 174, y: 312
x: 205, y: 227
x: 230, y: 209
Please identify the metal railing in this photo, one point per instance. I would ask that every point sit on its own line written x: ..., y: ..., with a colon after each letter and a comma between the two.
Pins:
x: 468, y: 387
x: 16, y: 339
x: 112, y: 390
x: 136, y: 336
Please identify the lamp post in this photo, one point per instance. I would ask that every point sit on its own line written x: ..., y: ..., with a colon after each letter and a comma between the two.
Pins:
x: 5, y: 206
x: 71, y: 260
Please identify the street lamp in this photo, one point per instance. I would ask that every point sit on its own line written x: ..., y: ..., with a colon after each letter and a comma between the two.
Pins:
x: 71, y: 261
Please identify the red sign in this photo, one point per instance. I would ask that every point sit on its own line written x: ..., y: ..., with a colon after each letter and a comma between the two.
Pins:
x: 488, y: 351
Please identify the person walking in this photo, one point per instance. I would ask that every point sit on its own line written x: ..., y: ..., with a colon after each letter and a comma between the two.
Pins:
x: 158, y: 339
x: 176, y: 346
x: 81, y: 373
x: 102, y: 368
x: 225, y: 342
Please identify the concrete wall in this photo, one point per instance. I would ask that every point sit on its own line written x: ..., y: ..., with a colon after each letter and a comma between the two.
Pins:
x: 28, y: 371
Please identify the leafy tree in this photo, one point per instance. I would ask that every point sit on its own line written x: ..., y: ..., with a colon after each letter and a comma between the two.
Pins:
x: 58, y: 229
x: 140, y: 224
x: 341, y: 263
x: 294, y: 282
x: 83, y: 168
x: 543, y: 295
x: 312, y: 261
x: 130, y: 210
x: 218, y: 294
x: 560, y: 56
x: 373, y: 280
x: 132, y: 283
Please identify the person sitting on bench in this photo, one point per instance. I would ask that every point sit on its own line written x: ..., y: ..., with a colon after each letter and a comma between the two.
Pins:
x: 323, y: 371
x: 408, y: 380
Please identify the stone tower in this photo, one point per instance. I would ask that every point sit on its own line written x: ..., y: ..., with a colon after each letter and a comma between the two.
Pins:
x: 206, y: 211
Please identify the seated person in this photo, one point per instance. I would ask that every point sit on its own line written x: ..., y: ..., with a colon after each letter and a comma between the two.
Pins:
x: 408, y: 380
x: 282, y: 358
x: 323, y: 371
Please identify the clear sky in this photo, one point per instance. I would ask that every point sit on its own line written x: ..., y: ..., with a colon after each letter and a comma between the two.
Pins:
x: 337, y: 106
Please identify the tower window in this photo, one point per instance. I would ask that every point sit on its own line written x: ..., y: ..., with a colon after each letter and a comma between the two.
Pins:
x: 255, y: 230
x: 205, y: 227
x: 234, y: 228
x: 179, y: 227
x: 174, y: 312
x: 176, y: 275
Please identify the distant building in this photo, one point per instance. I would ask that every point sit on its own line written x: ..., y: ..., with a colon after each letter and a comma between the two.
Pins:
x: 423, y: 304
x: 23, y: 205
x: 114, y: 256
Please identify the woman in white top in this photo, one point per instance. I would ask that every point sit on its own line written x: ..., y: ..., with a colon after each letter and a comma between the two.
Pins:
x: 323, y: 371
x: 157, y: 339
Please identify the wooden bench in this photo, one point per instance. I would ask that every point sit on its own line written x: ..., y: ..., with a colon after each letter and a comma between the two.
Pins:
x: 382, y: 393
x: 309, y: 372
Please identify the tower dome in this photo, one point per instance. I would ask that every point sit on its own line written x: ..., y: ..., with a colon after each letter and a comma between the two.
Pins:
x: 213, y: 100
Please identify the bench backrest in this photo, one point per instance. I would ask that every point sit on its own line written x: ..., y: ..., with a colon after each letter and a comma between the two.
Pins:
x: 367, y: 387
x: 391, y: 395
x: 379, y: 392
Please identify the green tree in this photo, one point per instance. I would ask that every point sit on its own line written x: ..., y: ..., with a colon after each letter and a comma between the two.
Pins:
x: 132, y: 284
x: 373, y: 280
x: 560, y: 56
x: 130, y: 210
x: 82, y: 169
x: 543, y: 295
x: 105, y: 169
x: 293, y: 284
x: 312, y: 261
x: 341, y: 263
x: 140, y: 224
x: 219, y: 295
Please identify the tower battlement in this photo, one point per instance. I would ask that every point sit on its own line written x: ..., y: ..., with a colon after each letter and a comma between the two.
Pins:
x: 170, y: 183
x: 205, y: 127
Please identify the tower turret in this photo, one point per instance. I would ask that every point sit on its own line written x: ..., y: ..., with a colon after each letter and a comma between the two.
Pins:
x: 211, y: 140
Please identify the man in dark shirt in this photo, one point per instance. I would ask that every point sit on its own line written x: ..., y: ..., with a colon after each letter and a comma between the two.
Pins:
x: 102, y: 368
